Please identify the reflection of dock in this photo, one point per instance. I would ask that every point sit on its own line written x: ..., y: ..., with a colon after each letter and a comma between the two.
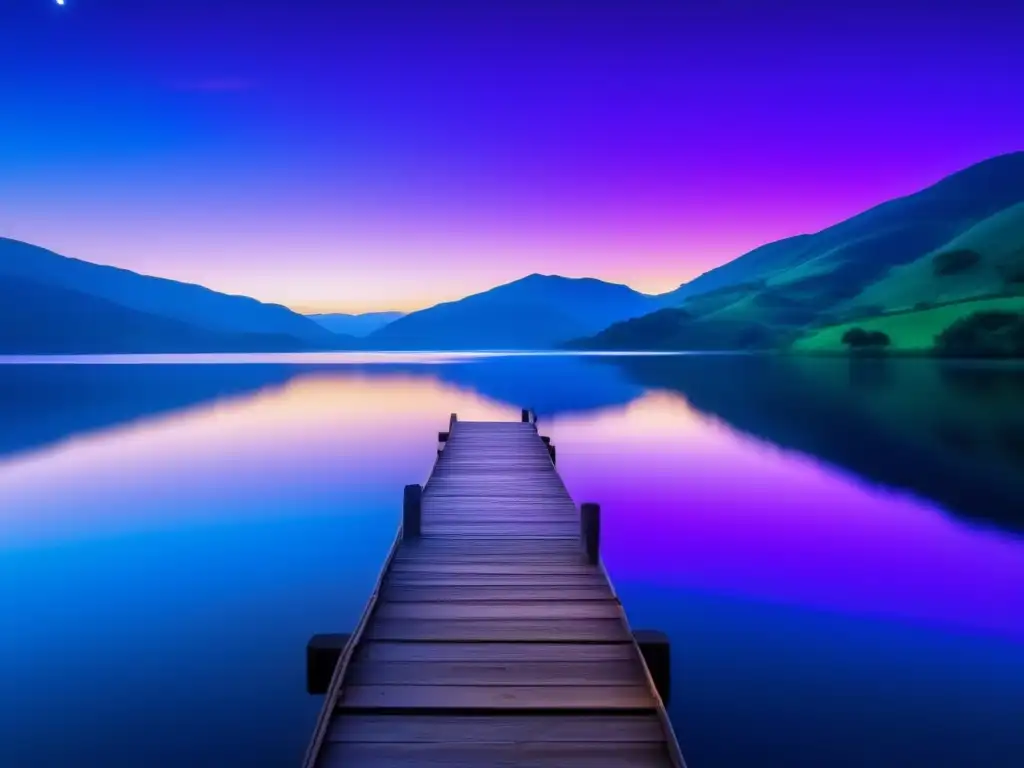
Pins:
x: 493, y: 636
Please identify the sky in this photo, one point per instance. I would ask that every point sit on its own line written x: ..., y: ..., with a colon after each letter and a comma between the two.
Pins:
x: 342, y: 156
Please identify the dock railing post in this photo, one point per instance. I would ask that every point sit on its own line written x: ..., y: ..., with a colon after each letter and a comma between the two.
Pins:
x: 590, y: 531
x: 412, y: 508
x: 550, y: 446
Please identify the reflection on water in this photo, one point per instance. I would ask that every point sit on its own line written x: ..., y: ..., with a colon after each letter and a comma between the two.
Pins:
x: 174, y: 533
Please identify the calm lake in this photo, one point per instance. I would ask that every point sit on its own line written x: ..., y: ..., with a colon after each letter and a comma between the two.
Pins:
x: 835, y: 548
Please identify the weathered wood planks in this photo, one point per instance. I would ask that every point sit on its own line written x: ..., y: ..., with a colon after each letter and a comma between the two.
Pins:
x: 493, y: 636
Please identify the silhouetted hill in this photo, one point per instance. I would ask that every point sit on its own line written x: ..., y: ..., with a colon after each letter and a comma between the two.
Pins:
x: 881, y: 261
x: 137, y: 312
x: 536, y: 312
x: 46, y: 319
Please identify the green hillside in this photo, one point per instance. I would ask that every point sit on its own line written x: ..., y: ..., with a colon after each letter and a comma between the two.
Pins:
x: 959, y: 239
x: 909, y: 331
x: 986, y: 259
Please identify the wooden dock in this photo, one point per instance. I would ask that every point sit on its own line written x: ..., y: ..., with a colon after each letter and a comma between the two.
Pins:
x: 493, y: 636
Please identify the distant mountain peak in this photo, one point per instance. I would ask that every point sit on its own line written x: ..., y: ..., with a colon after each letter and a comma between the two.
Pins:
x: 534, y: 312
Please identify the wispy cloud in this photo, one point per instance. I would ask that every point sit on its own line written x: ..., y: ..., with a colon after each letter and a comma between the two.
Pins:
x: 215, y: 85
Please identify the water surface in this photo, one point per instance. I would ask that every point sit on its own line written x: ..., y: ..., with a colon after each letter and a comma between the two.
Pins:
x: 835, y: 549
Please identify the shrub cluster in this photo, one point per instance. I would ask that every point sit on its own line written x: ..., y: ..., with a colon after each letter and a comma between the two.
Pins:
x: 993, y: 333
x: 859, y: 339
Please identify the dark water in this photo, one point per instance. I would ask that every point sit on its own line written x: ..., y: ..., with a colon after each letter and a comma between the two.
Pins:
x: 836, y: 549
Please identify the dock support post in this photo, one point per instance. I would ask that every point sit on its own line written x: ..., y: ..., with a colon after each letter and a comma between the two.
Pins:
x: 412, y: 508
x: 551, y: 453
x: 451, y: 421
x: 526, y: 415
x: 545, y: 439
x: 322, y: 654
x: 442, y: 437
x: 657, y: 653
x: 590, y: 531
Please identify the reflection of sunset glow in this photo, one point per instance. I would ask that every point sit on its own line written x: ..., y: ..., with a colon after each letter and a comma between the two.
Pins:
x: 691, y: 503
x: 324, y: 429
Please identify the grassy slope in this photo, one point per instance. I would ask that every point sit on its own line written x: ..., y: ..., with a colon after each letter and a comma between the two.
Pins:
x: 775, y: 293
x: 911, y: 331
x: 998, y: 240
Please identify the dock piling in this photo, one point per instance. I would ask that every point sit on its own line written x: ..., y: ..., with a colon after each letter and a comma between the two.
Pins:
x: 412, y: 511
x: 322, y: 654
x: 657, y: 653
x: 590, y: 529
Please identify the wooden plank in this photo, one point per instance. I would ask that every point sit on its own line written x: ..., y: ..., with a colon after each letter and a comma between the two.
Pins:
x: 496, y: 673
x: 441, y: 546
x: 522, y: 755
x: 397, y: 593
x: 496, y: 729
x: 577, y: 698
x: 492, y: 569
x: 564, y: 553
x: 497, y: 630
x: 532, y: 609
x: 551, y: 581
x: 484, y: 531
x: 494, y: 652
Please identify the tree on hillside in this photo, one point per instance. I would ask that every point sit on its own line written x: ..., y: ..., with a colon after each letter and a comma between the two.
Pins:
x: 859, y: 340
x: 952, y: 262
x: 993, y: 333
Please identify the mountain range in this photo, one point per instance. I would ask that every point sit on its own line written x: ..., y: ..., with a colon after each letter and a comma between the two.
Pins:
x: 907, y: 271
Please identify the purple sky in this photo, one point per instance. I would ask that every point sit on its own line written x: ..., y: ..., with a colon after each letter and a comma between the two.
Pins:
x: 350, y: 156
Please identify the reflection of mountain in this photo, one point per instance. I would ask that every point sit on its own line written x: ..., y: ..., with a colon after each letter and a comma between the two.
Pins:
x: 355, y: 325
x: 550, y: 384
x: 952, y: 433
x: 45, y: 404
